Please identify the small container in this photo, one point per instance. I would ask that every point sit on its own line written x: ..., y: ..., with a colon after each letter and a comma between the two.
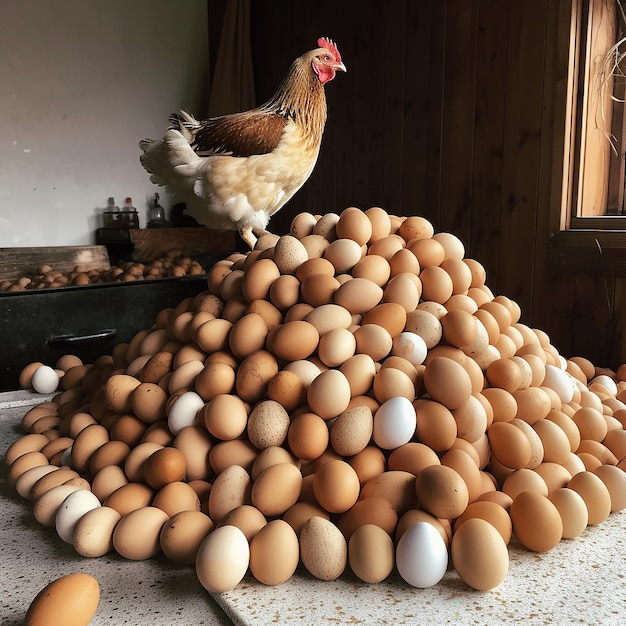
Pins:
x: 130, y: 217
x: 156, y: 214
x: 112, y: 216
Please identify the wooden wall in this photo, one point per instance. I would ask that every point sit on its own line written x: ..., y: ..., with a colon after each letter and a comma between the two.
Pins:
x: 454, y: 110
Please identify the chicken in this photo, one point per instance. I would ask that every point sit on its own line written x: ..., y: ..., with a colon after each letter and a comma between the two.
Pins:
x: 243, y: 167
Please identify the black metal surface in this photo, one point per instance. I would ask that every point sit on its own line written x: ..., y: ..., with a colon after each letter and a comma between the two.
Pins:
x: 88, y: 321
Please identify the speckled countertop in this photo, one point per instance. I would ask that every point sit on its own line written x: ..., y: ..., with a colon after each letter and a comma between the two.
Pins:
x: 581, y: 581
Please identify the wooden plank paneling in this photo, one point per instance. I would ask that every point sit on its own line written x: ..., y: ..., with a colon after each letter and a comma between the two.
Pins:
x: 459, y: 102
x: 488, y: 134
x: 521, y: 150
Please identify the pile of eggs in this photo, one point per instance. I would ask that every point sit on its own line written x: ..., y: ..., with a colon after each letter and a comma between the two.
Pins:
x: 174, y: 264
x: 351, y: 394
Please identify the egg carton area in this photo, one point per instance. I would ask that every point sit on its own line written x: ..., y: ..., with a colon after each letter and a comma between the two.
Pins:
x: 347, y: 407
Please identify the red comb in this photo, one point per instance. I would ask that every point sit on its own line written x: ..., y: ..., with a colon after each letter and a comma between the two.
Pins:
x: 329, y: 44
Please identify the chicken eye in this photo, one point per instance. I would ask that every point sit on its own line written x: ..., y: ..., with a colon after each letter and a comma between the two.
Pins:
x: 326, y: 58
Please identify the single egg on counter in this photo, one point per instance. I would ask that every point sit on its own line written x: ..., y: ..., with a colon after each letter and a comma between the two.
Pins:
x: 274, y: 553
x: 371, y: 553
x: 421, y: 555
x: 45, y: 379
x: 71, y: 600
x: 479, y: 554
x: 323, y: 549
x: 222, y: 559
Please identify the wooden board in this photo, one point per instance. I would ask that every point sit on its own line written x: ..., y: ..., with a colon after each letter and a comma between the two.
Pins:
x: 17, y: 262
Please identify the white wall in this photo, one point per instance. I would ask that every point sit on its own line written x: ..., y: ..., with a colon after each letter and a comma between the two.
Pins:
x: 81, y: 82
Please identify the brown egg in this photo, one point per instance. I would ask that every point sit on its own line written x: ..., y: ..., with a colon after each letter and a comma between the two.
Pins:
x: 137, y: 534
x: 436, y: 426
x: 336, y: 486
x: 247, y: 335
x: 245, y: 517
x: 479, y: 554
x: 412, y: 457
x: 175, y: 497
x: 254, y: 374
x: 323, y: 549
x: 225, y: 416
x: 308, y: 436
x: 536, y: 521
x: 429, y: 251
x: 165, y: 465
x: 358, y: 295
x: 404, y: 289
x: 274, y: 553
x: 377, y: 511
x: 354, y: 224
x: 573, y: 511
x: 505, y: 374
x: 72, y: 599
x: 129, y: 497
x: 287, y: 388
x: 110, y: 453
x: 294, y: 340
x: 369, y: 463
x: 441, y: 491
x: 329, y: 393
x: 447, y: 381
x: 491, y: 512
x: 277, y: 488
x: 374, y: 268
x: 117, y: 390
x: 509, y: 445
x: 595, y: 493
x: 107, y: 480
x: 182, y: 535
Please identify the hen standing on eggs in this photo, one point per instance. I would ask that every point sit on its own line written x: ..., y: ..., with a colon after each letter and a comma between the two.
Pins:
x: 243, y: 167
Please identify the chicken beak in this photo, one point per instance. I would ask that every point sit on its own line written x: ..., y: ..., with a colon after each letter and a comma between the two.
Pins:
x: 340, y: 66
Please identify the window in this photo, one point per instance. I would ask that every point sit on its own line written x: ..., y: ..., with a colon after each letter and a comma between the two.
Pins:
x: 595, y: 168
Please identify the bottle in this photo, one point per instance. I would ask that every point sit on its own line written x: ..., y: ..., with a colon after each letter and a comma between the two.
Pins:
x: 130, y: 218
x: 111, y: 216
x: 156, y: 214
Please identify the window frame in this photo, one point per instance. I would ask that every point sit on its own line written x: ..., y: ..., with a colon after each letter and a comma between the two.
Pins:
x: 587, y: 244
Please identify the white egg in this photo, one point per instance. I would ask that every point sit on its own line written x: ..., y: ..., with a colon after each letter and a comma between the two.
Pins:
x: 183, y: 411
x: 45, y: 380
x: 394, y: 423
x: 410, y: 346
x: 222, y: 559
x: 71, y: 510
x: 559, y: 381
x: 421, y: 555
x: 605, y: 381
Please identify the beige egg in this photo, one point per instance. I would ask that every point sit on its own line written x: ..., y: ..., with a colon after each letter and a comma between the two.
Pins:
x: 374, y: 268
x: 225, y: 416
x: 137, y: 534
x: 175, y: 497
x: 404, y: 289
x: 268, y: 424
x: 107, y: 480
x: 412, y: 457
x: 230, y: 489
x: 595, y: 493
x: 336, y: 346
x: 323, y: 549
x: 93, y: 533
x: 289, y: 253
x: 329, y: 393
x: 573, y: 511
